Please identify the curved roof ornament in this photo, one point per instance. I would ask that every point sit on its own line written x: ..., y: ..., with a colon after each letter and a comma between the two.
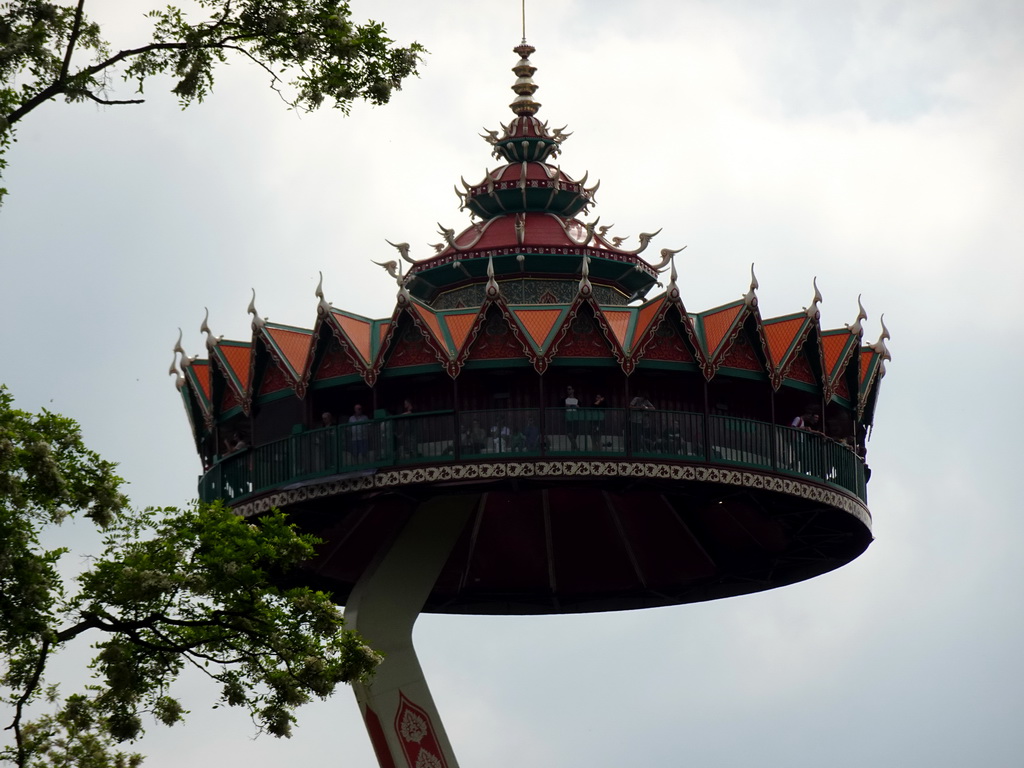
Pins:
x: 211, y: 341
x: 673, y: 290
x: 645, y: 240
x: 666, y: 257
x: 324, y: 306
x: 492, y: 285
x: 879, y: 346
x: 812, y: 311
x: 179, y: 379
x: 559, y: 134
x: 392, y: 267
x: 448, y: 235
x: 585, y: 288
x: 856, y: 329
x: 403, y: 250
x: 750, y: 298
x: 257, y: 321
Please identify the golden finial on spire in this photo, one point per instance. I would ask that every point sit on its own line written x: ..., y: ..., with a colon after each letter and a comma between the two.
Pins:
x: 524, y: 104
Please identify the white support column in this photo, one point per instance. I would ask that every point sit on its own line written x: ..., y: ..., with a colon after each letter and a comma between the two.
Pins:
x: 397, y: 707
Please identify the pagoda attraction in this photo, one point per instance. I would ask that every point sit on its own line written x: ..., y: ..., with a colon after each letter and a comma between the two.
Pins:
x: 526, y: 432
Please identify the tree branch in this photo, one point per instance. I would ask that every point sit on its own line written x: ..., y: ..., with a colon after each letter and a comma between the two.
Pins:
x: 98, y: 100
x: 19, y: 708
x: 274, y: 77
x: 76, y: 30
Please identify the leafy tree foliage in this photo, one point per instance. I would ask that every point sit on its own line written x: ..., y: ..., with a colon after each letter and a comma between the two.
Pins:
x: 312, y: 48
x: 171, y: 589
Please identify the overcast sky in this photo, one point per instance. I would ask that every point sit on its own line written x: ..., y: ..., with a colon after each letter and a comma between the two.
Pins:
x: 875, y: 145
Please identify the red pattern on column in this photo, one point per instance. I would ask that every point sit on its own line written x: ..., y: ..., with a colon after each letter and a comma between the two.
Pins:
x: 378, y: 740
x: 416, y: 733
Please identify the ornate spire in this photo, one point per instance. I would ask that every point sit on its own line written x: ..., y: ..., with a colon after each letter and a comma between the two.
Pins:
x: 524, y: 104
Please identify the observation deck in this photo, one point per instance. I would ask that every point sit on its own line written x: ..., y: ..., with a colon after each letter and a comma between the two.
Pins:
x: 309, y: 459
x: 576, y: 510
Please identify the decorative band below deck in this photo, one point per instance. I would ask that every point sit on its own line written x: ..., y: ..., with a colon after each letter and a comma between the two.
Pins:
x: 572, y: 469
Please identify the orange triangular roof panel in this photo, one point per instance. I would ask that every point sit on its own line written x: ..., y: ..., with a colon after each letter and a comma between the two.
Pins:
x: 294, y: 345
x: 201, y: 369
x: 618, y: 321
x: 358, y: 332
x: 644, y: 316
x: 433, y: 324
x: 867, y: 354
x: 779, y: 336
x: 833, y: 345
x: 459, y: 327
x: 238, y: 358
x: 538, y: 323
x: 717, y: 325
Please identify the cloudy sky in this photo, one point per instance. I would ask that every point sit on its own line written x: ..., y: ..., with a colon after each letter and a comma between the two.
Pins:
x: 875, y: 145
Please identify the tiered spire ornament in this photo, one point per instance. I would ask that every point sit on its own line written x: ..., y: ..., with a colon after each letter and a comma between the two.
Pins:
x: 524, y: 86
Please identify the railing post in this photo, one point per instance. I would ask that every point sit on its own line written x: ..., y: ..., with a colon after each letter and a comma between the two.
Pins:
x: 457, y: 434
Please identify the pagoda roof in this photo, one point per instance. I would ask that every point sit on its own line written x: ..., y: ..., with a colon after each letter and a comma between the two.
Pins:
x: 542, y: 331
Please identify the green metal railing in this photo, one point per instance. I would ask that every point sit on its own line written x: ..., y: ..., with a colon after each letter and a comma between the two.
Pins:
x: 449, y: 436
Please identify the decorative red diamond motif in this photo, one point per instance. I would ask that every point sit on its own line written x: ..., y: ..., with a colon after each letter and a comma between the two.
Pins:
x: 416, y: 733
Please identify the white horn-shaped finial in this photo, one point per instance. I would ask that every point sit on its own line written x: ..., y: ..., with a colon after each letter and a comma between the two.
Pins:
x: 257, y: 321
x: 179, y: 380
x: 645, y: 240
x: 673, y: 276
x: 324, y: 306
x: 178, y: 349
x: 211, y: 341
x: 879, y: 346
x: 812, y: 311
x: 857, y: 328
x: 666, y: 257
x: 750, y: 299
x: 584, y: 286
x: 402, y: 248
x: 492, y: 289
